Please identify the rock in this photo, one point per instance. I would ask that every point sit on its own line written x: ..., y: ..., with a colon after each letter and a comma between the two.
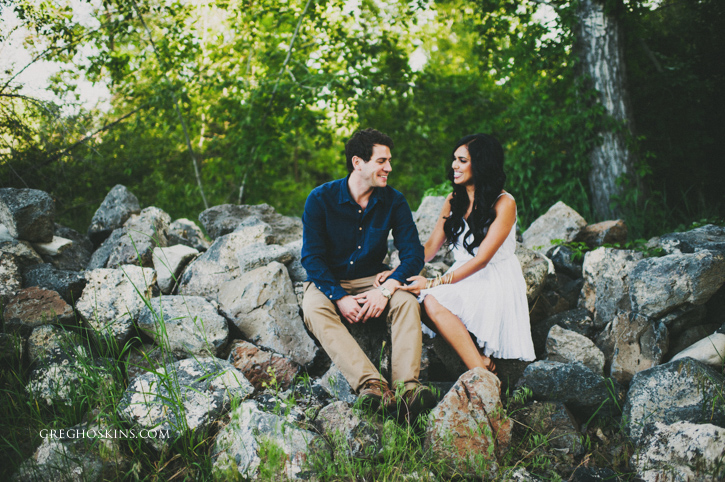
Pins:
x: 169, y: 263
x: 554, y: 421
x: 141, y: 234
x: 191, y: 325
x: 659, y: 285
x: 567, y: 346
x: 20, y: 251
x: 689, y: 337
x: 679, y: 391
x: 427, y: 215
x: 257, y: 255
x: 185, y: 232
x: 49, y: 343
x: 607, y: 281
x: 12, y: 350
x: 63, y: 378
x: 112, y: 300
x: 297, y: 272
x: 578, y: 387
x: 189, y: 397
x: 68, y: 284
x: 69, y: 249
x: 75, y: 454
x: 33, y: 307
x: 241, y: 446
x: 566, y: 260
x: 346, y: 431
x: 569, y: 288
x: 335, y: 383
x: 683, y: 318
x: 559, y: 222
x: 261, y: 366
x: 538, y: 270
x: 578, y: 320
x: 263, y: 306
x: 146, y: 358
x: 705, y: 238
x: 100, y: 256
x: 709, y: 351
x: 219, y: 264
x: 639, y: 344
x: 594, y: 474
x: 27, y: 214
x: 224, y: 219
x: 10, y: 279
x: 469, y: 424
x: 683, y: 452
x: 606, y: 232
x: 445, y: 363
x: 115, y: 209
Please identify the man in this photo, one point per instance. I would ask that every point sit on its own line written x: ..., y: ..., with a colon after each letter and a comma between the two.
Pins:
x: 346, y: 225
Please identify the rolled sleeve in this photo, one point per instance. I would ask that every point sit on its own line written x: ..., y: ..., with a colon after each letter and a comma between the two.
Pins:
x: 405, y: 236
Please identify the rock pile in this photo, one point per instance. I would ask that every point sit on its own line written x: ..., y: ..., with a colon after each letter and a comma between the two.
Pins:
x: 198, y: 327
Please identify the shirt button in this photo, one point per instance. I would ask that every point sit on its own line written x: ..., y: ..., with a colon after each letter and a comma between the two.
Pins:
x: 350, y: 262
x: 330, y: 296
x: 359, y: 211
x: 360, y: 228
x: 359, y: 247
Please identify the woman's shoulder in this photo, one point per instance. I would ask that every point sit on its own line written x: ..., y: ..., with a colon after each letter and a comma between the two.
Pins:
x: 505, y: 202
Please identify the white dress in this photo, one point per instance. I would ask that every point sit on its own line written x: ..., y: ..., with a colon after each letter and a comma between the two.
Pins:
x: 491, y: 302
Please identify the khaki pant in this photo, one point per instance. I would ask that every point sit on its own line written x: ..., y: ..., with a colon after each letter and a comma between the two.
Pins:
x: 402, y: 312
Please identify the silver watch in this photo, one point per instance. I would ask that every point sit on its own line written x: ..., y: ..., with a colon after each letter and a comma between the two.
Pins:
x: 385, y: 291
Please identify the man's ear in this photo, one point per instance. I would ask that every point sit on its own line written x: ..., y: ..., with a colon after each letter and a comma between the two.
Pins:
x: 356, y: 161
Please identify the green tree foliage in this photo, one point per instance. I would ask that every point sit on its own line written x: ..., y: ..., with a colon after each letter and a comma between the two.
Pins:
x: 269, y: 89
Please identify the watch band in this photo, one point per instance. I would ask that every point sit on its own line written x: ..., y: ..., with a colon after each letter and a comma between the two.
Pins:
x: 385, y: 291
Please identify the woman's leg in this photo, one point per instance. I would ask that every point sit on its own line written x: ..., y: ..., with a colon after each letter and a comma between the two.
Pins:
x: 452, y: 329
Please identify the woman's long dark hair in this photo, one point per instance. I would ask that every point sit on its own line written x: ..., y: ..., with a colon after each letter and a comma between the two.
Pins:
x: 488, y: 176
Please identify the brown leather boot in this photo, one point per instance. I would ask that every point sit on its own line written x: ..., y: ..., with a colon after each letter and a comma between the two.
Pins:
x: 376, y: 394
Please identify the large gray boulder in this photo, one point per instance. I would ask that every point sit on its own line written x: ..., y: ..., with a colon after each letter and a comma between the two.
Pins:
x: 112, y: 301
x: 75, y: 454
x: 334, y: 383
x: 555, y: 422
x: 169, y: 263
x: 566, y: 260
x: 538, y: 271
x: 469, y: 424
x: 567, y: 346
x: 239, y: 446
x: 681, y: 452
x: 606, y: 232
x: 49, y: 342
x: 710, y: 351
x: 559, y: 222
x: 262, y: 304
x: 148, y: 357
x: 427, y: 215
x: 582, y: 390
x: 679, y: 391
x: 259, y: 254
x: 347, y: 432
x: 11, y: 280
x: 297, y: 272
x: 27, y: 214
x: 188, y: 396
x: 141, y: 234
x: 186, y: 325
x: 33, y: 307
x: 115, y: 209
x: 261, y: 367
x: 704, y: 238
x: 578, y: 320
x: 224, y: 219
x: 638, y: 343
x: 606, y: 282
x: 659, y: 285
x: 69, y: 250
x: 100, y: 256
x: 68, y: 284
x: 219, y: 264
x: 186, y: 232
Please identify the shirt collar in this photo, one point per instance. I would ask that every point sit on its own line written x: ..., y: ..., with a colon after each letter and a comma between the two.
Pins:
x: 345, y: 196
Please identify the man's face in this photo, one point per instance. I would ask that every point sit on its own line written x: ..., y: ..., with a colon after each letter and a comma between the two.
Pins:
x: 375, y: 171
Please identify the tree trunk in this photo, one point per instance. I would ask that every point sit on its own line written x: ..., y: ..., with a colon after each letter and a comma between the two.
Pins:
x: 600, y: 48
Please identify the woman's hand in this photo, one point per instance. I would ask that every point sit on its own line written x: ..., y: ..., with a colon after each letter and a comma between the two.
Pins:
x: 415, y: 284
x: 381, y: 277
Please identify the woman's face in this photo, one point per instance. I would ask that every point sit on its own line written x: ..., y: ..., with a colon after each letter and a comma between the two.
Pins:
x: 462, y: 172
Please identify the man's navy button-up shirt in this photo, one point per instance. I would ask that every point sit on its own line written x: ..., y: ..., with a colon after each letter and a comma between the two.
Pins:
x: 341, y: 241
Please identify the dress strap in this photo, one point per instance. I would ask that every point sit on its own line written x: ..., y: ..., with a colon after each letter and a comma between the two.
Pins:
x: 503, y: 193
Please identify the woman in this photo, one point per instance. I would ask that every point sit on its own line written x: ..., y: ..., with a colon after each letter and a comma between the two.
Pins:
x: 484, y: 292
